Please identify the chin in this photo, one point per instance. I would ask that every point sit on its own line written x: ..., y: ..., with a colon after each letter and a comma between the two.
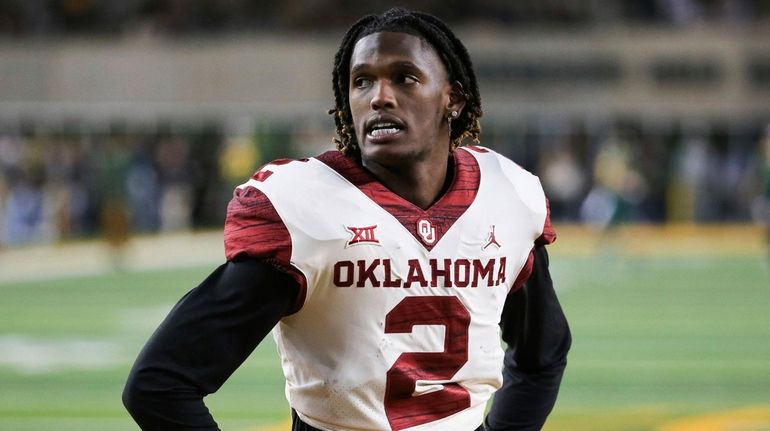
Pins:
x: 389, y: 154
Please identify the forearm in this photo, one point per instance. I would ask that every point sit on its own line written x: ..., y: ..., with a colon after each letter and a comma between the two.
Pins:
x: 205, y: 337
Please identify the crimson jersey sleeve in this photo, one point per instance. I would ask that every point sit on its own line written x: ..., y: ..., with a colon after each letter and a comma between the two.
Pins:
x: 253, y: 228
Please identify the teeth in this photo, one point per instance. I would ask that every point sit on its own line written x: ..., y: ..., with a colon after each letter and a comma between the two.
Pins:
x: 382, y: 132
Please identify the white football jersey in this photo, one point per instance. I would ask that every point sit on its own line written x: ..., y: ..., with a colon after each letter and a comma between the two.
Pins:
x: 397, y: 324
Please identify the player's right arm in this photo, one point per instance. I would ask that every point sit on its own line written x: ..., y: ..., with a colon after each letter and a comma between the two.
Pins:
x: 214, y: 328
x: 204, y: 339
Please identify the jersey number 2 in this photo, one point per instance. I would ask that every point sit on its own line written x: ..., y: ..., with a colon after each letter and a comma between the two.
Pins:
x: 404, y: 410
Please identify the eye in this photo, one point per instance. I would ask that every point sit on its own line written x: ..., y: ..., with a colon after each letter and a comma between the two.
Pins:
x: 361, y: 82
x: 406, y: 79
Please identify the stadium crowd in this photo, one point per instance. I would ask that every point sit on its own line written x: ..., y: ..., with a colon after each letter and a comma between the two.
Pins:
x: 63, y: 184
x: 76, y: 182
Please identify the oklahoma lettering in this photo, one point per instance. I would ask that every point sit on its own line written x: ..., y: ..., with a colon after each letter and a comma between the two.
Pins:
x: 459, y: 273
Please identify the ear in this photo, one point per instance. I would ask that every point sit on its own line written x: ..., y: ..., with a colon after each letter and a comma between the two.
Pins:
x: 457, y: 98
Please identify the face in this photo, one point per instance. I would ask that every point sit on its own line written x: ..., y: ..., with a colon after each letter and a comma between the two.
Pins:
x: 400, y: 97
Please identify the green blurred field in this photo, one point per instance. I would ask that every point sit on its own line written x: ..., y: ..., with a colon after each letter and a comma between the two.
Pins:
x: 662, y: 339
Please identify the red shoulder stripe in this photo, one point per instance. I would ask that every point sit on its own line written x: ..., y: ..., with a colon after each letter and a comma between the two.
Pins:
x: 525, y: 272
x: 549, y: 233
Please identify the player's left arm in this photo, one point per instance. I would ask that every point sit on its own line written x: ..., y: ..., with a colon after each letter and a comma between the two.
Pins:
x: 538, y: 338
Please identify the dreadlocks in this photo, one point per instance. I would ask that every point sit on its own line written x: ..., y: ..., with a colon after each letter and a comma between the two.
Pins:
x: 453, y: 55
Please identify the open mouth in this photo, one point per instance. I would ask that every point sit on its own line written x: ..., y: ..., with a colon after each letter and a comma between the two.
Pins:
x: 382, y: 128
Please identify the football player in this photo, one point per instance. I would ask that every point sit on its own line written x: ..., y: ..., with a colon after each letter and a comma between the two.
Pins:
x: 388, y: 269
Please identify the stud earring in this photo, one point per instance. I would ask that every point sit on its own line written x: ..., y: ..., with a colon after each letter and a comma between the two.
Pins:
x: 449, y: 119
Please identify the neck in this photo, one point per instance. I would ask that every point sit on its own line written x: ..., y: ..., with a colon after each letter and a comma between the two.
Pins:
x: 420, y: 183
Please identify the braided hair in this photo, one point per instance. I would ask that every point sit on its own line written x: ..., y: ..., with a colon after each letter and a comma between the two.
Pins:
x: 435, y: 32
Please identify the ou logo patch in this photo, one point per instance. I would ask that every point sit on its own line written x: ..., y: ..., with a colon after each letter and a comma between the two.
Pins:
x: 426, y: 231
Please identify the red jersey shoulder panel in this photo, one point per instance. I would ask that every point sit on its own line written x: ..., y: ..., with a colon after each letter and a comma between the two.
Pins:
x: 254, y: 228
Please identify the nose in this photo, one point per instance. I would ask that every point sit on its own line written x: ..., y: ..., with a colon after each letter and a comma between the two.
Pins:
x: 383, y: 96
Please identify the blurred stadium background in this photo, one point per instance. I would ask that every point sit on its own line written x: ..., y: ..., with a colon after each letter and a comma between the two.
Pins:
x: 125, y: 124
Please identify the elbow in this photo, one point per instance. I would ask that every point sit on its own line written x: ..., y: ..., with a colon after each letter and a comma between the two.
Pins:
x: 144, y: 403
x: 562, y: 348
x: 549, y: 356
x: 556, y: 360
x: 556, y: 347
x: 132, y: 396
x: 137, y: 396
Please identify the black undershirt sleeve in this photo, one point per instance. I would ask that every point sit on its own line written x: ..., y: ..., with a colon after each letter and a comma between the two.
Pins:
x: 538, y: 338
x: 203, y: 340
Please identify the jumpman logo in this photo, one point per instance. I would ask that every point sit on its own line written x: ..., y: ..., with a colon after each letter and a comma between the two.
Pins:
x: 491, y: 239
